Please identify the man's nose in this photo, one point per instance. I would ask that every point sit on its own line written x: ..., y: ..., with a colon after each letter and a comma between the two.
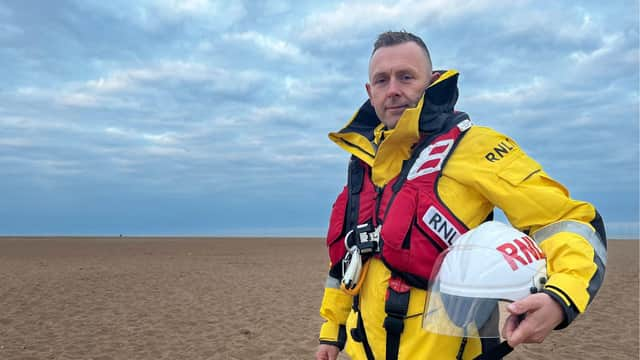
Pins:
x: 393, y: 89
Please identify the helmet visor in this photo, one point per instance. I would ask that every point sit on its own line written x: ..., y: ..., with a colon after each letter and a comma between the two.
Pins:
x: 471, y: 289
x: 462, y: 316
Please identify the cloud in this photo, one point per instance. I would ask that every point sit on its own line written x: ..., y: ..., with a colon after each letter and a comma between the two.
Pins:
x: 341, y: 24
x: 152, y: 15
x: 532, y: 92
x: 276, y: 7
x: 577, y: 29
x: 321, y: 86
x: 8, y: 31
x: 114, y: 89
x: 173, y: 71
x: 166, y: 138
x: 614, y: 49
x: 269, y: 46
x: 77, y: 99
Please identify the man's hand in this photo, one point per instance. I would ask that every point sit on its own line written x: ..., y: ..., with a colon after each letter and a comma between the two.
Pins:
x: 543, y: 314
x: 327, y: 352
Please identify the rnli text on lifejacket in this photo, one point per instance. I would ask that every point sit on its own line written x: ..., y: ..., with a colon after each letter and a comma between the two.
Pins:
x: 439, y: 224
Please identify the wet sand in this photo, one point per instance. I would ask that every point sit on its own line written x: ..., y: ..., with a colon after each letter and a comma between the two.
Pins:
x: 225, y: 298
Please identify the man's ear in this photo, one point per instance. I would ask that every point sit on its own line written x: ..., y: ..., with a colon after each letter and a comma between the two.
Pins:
x: 434, y: 76
x: 368, y: 87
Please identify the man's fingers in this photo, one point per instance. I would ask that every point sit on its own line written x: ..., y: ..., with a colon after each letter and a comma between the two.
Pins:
x: 519, y: 332
x: 327, y: 352
x: 513, y: 327
x: 321, y: 355
x: 513, y: 330
x: 522, y: 306
x: 509, y: 326
x: 543, y: 314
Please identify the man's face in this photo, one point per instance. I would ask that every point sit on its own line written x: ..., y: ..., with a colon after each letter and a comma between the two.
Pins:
x: 398, y: 76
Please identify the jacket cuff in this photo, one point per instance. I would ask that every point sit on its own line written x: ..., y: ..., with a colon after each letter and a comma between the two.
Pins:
x: 568, y: 308
x: 333, y: 334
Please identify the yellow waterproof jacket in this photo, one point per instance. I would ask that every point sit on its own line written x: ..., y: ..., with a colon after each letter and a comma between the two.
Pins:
x: 486, y: 170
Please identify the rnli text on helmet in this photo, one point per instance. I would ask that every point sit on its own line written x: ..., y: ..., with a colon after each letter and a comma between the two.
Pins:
x: 526, y: 247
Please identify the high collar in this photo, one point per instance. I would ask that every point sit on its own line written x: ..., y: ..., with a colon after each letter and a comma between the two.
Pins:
x: 361, y: 136
x: 357, y: 135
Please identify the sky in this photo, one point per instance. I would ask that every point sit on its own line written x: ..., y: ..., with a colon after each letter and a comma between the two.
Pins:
x: 205, y: 117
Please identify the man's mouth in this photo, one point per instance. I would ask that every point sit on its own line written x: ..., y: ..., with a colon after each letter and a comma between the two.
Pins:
x: 396, y: 108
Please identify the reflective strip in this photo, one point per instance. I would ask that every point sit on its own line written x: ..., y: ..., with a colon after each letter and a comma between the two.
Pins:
x: 575, y: 227
x: 332, y: 283
x: 465, y: 125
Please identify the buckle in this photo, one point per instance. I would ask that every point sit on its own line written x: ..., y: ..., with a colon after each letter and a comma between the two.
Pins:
x: 396, y: 305
x: 398, y: 285
x: 365, y: 237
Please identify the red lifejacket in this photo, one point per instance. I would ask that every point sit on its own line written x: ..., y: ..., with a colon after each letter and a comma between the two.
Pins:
x: 416, y: 224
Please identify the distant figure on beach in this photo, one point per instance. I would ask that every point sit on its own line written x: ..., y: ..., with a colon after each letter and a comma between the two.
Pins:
x: 421, y: 174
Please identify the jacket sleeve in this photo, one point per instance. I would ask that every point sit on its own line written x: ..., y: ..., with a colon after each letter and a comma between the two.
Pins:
x: 579, y: 258
x: 335, y: 308
x: 570, y: 232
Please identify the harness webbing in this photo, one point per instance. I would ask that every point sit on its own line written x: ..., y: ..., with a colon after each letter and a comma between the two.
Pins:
x: 354, y: 183
x: 463, y: 345
x: 359, y: 334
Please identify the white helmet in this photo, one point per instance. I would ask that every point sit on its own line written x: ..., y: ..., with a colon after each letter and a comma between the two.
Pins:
x: 487, y: 264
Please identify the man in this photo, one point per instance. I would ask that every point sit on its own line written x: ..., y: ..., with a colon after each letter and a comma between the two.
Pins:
x: 420, y: 175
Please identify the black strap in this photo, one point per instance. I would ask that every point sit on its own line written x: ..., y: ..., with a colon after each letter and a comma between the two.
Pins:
x: 463, y: 345
x: 355, y: 180
x: 365, y: 342
x: 496, y: 353
x: 358, y: 334
x: 396, y: 307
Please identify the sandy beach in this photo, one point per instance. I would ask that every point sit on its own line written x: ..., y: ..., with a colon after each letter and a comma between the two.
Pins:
x: 225, y: 298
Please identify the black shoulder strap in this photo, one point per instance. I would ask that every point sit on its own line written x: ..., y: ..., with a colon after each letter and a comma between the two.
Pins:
x: 355, y: 182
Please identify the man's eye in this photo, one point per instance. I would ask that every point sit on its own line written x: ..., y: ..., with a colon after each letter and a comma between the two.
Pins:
x: 380, y: 81
x: 407, y: 77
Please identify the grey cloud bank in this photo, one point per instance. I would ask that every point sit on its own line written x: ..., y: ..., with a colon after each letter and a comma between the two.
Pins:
x: 210, y: 117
